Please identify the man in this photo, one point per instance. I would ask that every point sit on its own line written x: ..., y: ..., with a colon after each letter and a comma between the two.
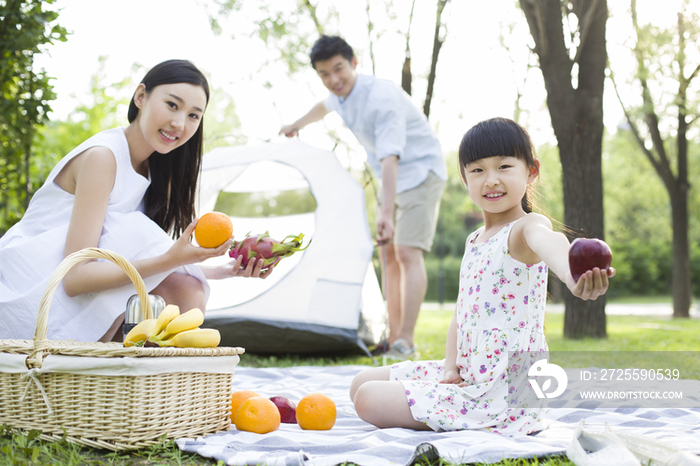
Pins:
x: 405, y: 154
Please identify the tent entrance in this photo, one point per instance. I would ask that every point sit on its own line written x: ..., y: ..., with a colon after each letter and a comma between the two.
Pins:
x: 325, y: 298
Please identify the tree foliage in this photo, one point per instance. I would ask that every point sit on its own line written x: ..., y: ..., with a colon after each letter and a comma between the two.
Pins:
x: 25, y: 28
x: 288, y: 29
x: 106, y: 108
x: 638, y: 227
x: 666, y: 75
x: 221, y: 124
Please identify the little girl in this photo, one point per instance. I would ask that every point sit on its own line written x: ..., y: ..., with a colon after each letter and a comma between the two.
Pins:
x: 500, y: 309
x: 127, y: 190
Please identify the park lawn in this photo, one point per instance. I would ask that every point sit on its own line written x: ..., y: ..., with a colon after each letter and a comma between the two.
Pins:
x: 625, y: 333
x: 666, y: 343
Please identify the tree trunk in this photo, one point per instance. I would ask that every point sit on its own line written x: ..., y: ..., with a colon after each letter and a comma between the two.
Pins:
x: 406, y: 75
x: 27, y: 173
x: 583, y: 204
x: 370, y: 28
x: 681, y: 287
x: 437, y: 44
x: 680, y: 275
x: 577, y: 119
x: 312, y: 12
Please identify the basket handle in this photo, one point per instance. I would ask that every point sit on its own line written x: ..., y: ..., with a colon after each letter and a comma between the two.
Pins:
x: 63, y: 268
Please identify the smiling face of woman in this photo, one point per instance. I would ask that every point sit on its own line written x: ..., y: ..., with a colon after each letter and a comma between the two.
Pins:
x: 170, y: 114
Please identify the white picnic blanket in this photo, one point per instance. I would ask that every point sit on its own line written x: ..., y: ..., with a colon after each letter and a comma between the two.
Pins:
x: 352, y: 440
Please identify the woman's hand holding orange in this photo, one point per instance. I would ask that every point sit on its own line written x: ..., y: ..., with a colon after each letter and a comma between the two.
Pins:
x: 183, y: 251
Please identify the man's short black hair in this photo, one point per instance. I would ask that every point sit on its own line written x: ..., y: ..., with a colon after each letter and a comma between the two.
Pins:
x: 327, y: 47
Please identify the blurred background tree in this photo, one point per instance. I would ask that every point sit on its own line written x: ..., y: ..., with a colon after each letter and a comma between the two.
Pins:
x: 667, y: 67
x: 26, y: 28
x: 637, y: 220
x: 105, y: 109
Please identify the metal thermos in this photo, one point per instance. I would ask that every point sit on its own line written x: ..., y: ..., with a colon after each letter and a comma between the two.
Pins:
x: 134, y: 313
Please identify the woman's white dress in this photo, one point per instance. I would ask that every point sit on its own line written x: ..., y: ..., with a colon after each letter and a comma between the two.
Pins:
x: 32, y: 249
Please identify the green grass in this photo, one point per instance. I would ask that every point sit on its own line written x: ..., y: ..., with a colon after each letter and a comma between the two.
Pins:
x: 625, y: 333
x: 26, y: 449
x: 664, y: 299
x: 655, y: 336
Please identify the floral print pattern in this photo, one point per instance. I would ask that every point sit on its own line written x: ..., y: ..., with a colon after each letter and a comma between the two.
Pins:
x: 500, y: 317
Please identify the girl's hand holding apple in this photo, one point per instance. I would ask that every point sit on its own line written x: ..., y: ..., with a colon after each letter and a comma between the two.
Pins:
x: 589, y: 264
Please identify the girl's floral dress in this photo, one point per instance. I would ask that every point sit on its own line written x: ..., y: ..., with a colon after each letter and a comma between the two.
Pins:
x: 500, y: 312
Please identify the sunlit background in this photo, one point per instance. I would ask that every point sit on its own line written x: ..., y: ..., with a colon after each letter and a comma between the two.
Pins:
x: 484, y: 62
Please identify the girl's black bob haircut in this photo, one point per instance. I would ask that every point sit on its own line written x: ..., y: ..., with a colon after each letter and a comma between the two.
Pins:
x: 496, y: 137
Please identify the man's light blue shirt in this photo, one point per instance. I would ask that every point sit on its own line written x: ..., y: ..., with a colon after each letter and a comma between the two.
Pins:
x: 385, y: 121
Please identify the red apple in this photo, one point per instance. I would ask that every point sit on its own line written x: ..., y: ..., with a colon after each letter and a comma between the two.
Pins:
x: 588, y: 253
x: 287, y: 409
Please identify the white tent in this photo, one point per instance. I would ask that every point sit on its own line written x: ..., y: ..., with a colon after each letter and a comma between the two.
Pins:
x: 324, y: 298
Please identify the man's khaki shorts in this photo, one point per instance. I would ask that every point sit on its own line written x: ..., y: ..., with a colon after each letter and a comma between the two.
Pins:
x: 416, y: 214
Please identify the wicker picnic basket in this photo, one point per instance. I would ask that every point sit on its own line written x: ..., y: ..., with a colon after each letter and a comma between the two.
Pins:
x: 88, y: 394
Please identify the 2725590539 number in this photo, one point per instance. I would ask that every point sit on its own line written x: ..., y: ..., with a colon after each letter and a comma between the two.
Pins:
x: 639, y: 374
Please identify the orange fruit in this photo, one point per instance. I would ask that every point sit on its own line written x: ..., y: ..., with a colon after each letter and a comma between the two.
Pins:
x: 213, y: 229
x: 237, y: 399
x: 316, y: 411
x: 258, y: 414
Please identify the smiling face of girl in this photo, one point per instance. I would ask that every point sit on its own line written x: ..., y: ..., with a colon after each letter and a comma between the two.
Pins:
x: 497, y: 184
x: 169, y: 114
x: 497, y: 163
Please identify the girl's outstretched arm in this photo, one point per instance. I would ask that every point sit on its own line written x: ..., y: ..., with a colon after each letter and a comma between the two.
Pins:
x: 533, y: 239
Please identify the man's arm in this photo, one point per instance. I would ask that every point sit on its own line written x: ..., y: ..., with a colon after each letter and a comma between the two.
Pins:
x: 385, y: 215
x: 316, y: 113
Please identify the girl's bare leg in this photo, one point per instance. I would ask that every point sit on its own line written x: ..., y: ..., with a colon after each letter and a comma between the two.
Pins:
x: 374, y: 373
x: 382, y: 402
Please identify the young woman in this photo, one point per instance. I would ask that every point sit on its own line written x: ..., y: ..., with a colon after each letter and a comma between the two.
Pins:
x: 130, y: 190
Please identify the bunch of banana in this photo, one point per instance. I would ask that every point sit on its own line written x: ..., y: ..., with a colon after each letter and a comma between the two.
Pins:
x: 138, y: 335
x: 174, y: 329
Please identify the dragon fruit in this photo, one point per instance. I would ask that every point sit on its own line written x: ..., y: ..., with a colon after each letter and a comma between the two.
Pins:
x: 267, y: 248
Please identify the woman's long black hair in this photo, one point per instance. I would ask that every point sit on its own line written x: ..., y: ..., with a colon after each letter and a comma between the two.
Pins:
x: 169, y: 200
